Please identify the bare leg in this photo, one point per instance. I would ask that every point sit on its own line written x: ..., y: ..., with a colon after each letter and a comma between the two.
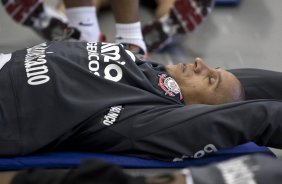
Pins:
x: 101, y: 3
x: 163, y: 8
x: 125, y: 11
x: 97, y: 3
x: 75, y: 3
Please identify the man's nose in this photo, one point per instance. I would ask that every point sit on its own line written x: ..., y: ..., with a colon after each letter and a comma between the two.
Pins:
x: 201, y: 66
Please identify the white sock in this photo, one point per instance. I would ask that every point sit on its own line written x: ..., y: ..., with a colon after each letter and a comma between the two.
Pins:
x: 85, y: 20
x: 130, y: 33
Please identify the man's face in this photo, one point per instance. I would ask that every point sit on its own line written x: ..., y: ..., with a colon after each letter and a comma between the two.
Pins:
x: 201, y: 84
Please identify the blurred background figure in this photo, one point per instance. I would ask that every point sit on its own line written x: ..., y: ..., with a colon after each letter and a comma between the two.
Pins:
x: 172, y: 17
x: 45, y: 21
x: 79, y: 21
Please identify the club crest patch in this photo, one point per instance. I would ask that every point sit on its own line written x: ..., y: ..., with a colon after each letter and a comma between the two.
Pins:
x: 170, y: 86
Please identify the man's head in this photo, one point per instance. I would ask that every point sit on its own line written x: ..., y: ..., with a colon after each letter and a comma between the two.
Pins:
x: 201, y: 84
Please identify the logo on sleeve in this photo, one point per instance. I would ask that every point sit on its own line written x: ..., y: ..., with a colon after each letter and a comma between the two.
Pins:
x: 169, y: 86
x: 112, y: 116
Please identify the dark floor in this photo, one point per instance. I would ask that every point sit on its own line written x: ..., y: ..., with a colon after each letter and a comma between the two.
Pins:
x: 248, y: 35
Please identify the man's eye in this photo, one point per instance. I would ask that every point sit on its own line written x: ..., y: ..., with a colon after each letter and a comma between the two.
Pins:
x: 211, y: 80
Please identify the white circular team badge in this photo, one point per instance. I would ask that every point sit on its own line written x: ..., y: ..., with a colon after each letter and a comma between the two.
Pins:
x: 170, y: 86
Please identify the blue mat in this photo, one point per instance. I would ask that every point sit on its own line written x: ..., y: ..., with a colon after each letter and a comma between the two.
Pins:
x: 73, y: 159
x: 226, y: 2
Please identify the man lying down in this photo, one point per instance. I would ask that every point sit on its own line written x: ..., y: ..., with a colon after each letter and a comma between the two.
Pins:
x: 99, y: 97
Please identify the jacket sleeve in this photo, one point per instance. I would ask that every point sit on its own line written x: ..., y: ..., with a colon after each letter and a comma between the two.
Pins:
x: 194, y: 131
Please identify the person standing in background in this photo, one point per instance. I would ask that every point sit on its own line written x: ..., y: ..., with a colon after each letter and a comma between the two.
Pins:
x: 81, y: 21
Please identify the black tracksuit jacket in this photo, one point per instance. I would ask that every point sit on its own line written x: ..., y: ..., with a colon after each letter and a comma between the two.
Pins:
x: 99, y: 97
